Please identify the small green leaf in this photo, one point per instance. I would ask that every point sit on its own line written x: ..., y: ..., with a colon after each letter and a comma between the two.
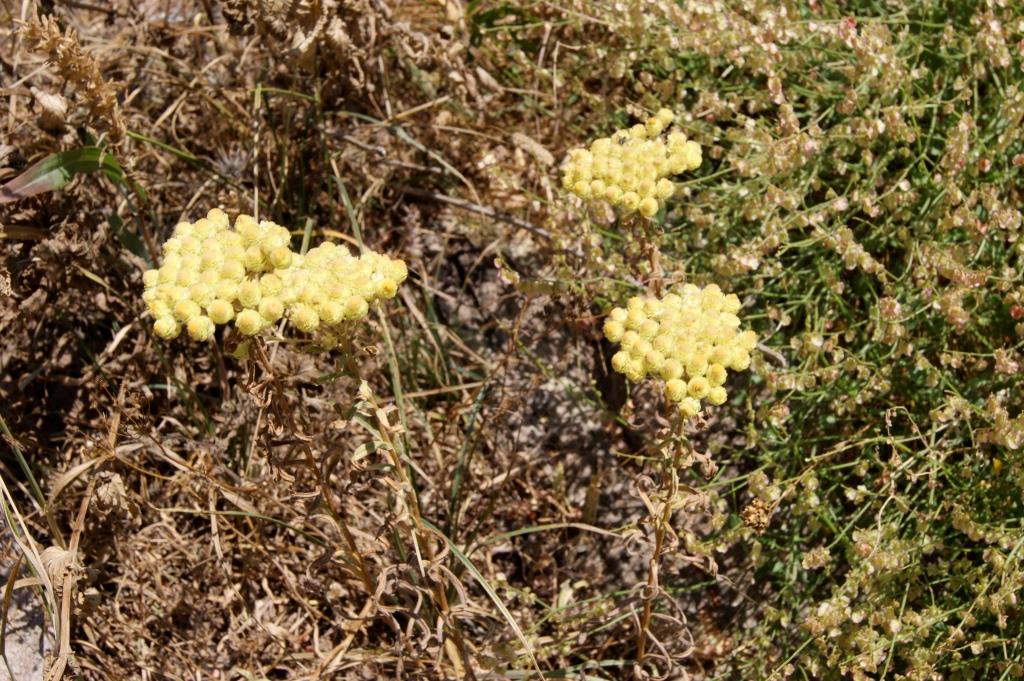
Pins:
x: 241, y: 350
x: 56, y: 170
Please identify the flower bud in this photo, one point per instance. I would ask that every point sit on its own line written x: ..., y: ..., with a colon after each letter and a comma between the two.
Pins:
x: 270, y: 285
x: 698, y: 387
x: 613, y: 330
x: 226, y: 290
x: 200, y: 328
x: 248, y: 229
x: 387, y: 288
x: 620, y: 360
x: 253, y: 260
x: 648, y: 207
x: 186, y: 277
x: 634, y: 371
x: 356, y: 307
x: 271, y: 309
x: 664, y: 189
x: 716, y: 375
x: 654, y: 126
x: 671, y: 369
x: 740, y: 360
x: 201, y: 294
x: 697, y: 364
x: 304, y: 318
x: 249, y: 322
x: 689, y: 407
x: 186, y: 309
x: 202, y: 230
x: 692, y: 155
x: 220, y: 311
x: 280, y: 258
x: 331, y: 312
x: 630, y: 201
x: 249, y: 293
x: 712, y: 298
x: 635, y: 318
x: 159, y: 308
x: 720, y: 354
x: 167, y: 275
x: 747, y: 340
x: 230, y: 240
x: 209, y: 278
x: 212, y: 259
x: 190, y: 246
x: 166, y: 327
x: 676, y: 389
x: 641, y: 348
x: 218, y: 219
x: 397, y: 270
x: 233, y: 270
x: 653, y: 361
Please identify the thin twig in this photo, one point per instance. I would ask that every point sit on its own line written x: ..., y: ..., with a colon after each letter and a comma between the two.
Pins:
x: 486, y: 211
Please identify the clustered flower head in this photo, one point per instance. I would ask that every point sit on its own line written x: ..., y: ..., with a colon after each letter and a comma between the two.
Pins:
x: 329, y: 285
x: 690, y: 339
x: 212, y: 274
x: 631, y: 169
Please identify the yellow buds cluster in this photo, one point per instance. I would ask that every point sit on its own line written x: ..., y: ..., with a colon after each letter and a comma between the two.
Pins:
x: 212, y: 274
x: 329, y: 285
x: 690, y: 338
x: 631, y: 169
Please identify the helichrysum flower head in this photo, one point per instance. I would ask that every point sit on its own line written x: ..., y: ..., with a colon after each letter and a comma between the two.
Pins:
x: 330, y: 285
x: 690, y: 339
x: 631, y: 169
x: 212, y: 275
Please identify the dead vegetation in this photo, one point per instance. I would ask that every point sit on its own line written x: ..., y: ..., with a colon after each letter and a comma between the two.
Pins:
x: 245, y: 518
x: 472, y: 493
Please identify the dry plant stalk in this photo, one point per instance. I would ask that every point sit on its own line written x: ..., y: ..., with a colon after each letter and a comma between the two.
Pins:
x: 388, y: 438
x: 80, y: 69
x: 663, y: 498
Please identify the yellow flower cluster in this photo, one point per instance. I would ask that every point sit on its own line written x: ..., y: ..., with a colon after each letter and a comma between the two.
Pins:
x: 631, y: 169
x: 329, y: 285
x: 213, y: 274
x: 690, y: 339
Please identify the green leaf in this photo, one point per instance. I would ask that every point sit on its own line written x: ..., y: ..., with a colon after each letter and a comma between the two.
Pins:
x: 56, y: 170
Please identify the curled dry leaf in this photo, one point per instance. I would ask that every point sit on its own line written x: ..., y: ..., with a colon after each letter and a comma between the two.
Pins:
x: 56, y: 561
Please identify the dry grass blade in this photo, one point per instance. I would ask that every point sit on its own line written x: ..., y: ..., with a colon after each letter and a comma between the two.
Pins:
x: 69, y: 581
x: 29, y: 552
x: 12, y: 577
x: 492, y: 595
